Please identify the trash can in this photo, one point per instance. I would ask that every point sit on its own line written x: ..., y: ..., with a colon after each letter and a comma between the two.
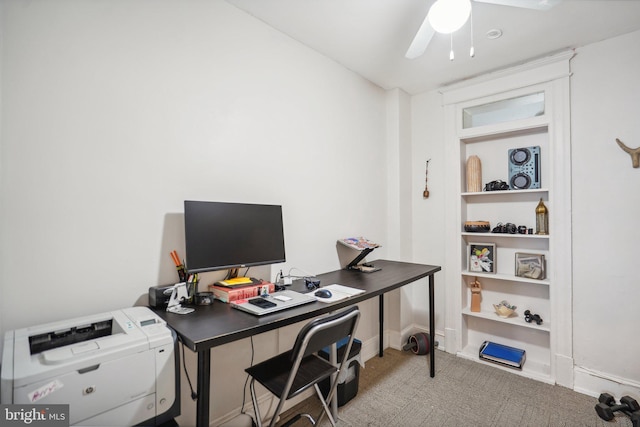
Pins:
x: 348, y: 383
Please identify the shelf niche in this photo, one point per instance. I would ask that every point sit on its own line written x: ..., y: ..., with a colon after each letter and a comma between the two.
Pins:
x: 525, y: 106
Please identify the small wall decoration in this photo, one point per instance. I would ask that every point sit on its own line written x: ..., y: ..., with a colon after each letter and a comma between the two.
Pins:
x: 482, y: 257
x: 425, y: 193
x: 531, y: 266
x: 634, y: 153
x: 476, y: 296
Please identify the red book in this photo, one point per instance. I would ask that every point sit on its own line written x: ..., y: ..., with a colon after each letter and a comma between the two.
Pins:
x: 226, y: 294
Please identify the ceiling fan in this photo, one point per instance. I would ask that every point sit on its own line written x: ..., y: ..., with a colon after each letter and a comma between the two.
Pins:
x: 447, y: 16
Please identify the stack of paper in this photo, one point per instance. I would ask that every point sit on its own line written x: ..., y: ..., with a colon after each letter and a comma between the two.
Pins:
x: 338, y: 292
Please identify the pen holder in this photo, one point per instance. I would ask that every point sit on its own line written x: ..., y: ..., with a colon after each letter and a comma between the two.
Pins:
x: 182, y: 273
x: 192, y: 289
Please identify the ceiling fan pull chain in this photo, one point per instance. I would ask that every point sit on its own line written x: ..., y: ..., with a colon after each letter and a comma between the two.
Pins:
x: 472, y: 51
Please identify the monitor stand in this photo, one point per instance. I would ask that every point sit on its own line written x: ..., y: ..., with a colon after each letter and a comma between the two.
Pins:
x: 365, y: 268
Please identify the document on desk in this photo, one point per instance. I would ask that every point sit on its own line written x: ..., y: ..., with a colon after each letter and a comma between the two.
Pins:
x: 338, y: 292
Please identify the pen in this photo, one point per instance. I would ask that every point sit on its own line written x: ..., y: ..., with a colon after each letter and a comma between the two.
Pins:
x: 174, y: 256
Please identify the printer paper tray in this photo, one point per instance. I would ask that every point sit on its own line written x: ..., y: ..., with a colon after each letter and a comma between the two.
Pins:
x: 97, y: 390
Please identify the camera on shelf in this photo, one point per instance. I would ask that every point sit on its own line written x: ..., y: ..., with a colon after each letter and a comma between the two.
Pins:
x: 497, y: 185
x: 507, y: 228
x: 510, y: 228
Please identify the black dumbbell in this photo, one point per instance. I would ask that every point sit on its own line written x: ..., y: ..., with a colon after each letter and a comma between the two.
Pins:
x: 606, y: 407
x: 528, y: 317
x: 607, y: 399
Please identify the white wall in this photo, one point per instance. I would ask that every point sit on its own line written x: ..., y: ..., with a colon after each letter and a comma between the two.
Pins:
x: 113, y: 113
x: 605, y: 94
x: 428, y: 214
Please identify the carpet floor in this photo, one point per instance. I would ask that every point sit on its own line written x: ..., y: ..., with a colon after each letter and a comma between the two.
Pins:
x: 396, y: 390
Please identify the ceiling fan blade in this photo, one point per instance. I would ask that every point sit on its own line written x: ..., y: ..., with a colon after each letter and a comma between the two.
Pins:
x: 526, y: 4
x: 421, y: 40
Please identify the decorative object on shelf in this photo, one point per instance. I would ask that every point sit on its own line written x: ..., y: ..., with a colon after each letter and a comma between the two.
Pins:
x: 502, y: 354
x: 542, y: 218
x: 507, y: 228
x: 477, y: 226
x: 504, y: 309
x: 425, y: 193
x: 633, y: 152
x: 531, y: 266
x: 497, y: 185
x: 476, y: 296
x: 482, y: 257
x: 529, y: 317
x: 524, y: 168
x: 474, y: 174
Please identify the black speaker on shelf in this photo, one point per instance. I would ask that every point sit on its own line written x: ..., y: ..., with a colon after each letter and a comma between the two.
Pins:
x: 524, y: 168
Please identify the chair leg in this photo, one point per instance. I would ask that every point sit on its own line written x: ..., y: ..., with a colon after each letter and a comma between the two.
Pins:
x: 254, y: 400
x: 326, y: 408
x: 297, y: 417
x: 276, y: 414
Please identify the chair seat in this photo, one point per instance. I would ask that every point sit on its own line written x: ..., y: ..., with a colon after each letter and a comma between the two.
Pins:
x: 273, y: 373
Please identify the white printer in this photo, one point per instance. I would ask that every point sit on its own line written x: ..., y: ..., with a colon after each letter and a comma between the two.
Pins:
x: 117, y: 368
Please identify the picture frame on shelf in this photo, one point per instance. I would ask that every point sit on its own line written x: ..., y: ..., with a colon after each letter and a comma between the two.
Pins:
x: 482, y: 257
x: 530, y: 266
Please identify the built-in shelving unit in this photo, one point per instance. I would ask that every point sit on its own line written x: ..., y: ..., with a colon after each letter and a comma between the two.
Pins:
x: 487, y: 120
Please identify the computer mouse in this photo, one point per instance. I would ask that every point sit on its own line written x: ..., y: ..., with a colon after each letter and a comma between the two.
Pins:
x: 323, y: 293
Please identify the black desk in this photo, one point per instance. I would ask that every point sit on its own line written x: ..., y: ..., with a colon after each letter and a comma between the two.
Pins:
x: 217, y: 324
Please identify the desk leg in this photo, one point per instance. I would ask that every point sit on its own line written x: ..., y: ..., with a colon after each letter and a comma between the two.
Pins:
x: 204, y: 380
x: 432, y: 327
x: 381, y: 323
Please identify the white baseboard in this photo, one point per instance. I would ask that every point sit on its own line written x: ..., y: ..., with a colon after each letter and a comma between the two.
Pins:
x: 592, y: 383
x: 564, y: 371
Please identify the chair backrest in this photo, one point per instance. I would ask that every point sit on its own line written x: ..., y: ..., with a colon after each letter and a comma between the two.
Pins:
x: 325, y: 331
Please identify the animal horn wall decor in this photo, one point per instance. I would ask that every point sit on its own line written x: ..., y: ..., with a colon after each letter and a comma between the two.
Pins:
x: 634, y: 153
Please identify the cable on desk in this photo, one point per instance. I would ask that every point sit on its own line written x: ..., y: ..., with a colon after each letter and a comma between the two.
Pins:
x: 246, y: 381
x: 194, y: 395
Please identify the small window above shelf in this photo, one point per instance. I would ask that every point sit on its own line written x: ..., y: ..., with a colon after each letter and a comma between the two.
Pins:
x: 506, y: 110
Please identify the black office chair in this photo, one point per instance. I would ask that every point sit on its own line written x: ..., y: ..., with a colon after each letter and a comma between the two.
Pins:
x: 294, y: 371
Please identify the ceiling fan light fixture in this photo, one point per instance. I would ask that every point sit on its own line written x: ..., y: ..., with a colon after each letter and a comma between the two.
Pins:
x: 447, y: 16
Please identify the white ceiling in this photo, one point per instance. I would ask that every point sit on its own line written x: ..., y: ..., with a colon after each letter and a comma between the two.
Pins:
x: 370, y: 37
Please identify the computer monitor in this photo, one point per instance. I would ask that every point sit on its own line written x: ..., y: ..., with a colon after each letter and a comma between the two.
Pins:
x: 221, y: 235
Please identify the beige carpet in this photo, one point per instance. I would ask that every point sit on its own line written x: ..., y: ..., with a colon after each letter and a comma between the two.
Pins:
x: 396, y: 390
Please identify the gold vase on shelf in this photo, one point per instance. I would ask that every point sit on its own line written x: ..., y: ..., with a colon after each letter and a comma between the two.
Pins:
x: 542, y: 218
